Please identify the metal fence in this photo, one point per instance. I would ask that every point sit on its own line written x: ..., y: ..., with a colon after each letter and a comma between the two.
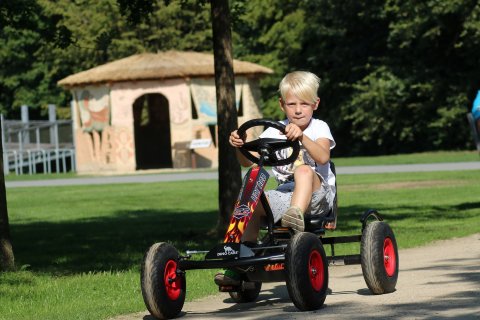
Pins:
x: 31, y: 147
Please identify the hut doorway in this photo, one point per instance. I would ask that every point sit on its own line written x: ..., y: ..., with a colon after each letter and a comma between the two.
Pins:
x: 151, y: 119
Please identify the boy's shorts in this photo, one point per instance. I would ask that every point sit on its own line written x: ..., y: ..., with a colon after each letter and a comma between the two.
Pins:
x: 280, y: 199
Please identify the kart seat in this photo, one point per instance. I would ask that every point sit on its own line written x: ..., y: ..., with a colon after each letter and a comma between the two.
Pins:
x: 316, y: 223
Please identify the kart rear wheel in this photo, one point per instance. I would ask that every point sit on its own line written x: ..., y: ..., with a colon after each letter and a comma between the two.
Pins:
x: 379, y: 257
x: 306, y: 268
x: 163, y: 286
x: 249, y: 292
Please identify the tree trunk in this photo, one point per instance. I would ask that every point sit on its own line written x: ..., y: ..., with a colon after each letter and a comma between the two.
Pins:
x: 229, y: 174
x: 7, y: 261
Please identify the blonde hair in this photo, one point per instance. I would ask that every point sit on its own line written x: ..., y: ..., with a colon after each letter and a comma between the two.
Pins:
x: 302, y: 84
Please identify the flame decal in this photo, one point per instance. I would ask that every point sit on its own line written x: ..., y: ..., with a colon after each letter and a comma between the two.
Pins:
x: 253, y: 185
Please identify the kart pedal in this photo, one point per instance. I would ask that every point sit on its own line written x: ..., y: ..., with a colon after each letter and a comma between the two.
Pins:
x: 246, y: 285
x: 229, y: 288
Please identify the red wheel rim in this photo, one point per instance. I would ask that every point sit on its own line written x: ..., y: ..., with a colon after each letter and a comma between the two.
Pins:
x: 389, y: 258
x: 172, y: 282
x: 315, y: 270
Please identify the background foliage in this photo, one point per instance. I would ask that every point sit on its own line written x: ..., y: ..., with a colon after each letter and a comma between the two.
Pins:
x: 397, y: 76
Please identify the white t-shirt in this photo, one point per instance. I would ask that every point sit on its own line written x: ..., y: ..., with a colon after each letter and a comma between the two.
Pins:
x: 316, y: 129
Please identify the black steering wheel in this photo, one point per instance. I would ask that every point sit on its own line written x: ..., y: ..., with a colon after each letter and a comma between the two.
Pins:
x: 267, y: 147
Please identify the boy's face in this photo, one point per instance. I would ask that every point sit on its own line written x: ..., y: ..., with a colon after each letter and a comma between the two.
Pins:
x: 298, y: 111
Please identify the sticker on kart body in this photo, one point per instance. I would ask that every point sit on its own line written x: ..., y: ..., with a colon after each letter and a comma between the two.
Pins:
x: 224, y: 251
x: 252, y: 187
x: 274, y: 267
x: 227, y: 251
x: 241, y: 211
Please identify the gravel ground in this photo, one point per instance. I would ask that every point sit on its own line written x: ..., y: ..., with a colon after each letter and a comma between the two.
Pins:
x: 437, y: 281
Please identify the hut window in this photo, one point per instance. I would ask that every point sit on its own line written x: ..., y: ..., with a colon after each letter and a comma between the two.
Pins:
x: 213, y: 133
x: 240, y: 106
x: 194, y: 108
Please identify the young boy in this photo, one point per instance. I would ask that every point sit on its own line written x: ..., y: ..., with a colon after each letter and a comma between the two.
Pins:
x: 306, y: 186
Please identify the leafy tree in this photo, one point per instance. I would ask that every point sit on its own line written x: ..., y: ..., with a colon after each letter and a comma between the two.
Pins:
x: 377, y: 102
x: 51, y: 40
x: 434, y: 46
x: 420, y: 52
x: 345, y: 41
x: 24, y: 18
x: 428, y: 50
x: 25, y: 31
x: 270, y: 32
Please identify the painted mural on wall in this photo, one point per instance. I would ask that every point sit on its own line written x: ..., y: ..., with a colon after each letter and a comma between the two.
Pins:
x: 181, y: 113
x: 94, y: 131
x: 94, y: 108
x: 205, y: 100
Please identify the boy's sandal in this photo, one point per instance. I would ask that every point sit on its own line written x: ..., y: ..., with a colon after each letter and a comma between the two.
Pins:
x: 293, y: 218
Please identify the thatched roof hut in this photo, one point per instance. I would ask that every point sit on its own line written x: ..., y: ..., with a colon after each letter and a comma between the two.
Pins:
x: 154, y: 110
x: 158, y: 66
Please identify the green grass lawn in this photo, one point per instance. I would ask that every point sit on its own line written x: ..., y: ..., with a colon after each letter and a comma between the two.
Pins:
x: 412, y: 158
x: 424, y: 157
x: 79, y: 248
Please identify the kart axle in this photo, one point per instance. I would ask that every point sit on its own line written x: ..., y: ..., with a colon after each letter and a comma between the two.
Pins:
x: 210, y: 264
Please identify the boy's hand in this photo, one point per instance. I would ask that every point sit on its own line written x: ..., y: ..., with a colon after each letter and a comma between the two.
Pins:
x: 293, y: 132
x: 235, y: 140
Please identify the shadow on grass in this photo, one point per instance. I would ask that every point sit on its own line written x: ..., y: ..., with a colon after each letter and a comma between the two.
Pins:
x: 118, y: 242
x: 108, y: 243
x: 351, y: 215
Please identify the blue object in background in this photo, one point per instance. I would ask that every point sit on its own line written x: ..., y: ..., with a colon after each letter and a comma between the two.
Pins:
x: 476, y: 106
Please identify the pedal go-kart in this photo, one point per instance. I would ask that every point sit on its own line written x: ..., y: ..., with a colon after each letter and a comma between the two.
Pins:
x: 299, y: 259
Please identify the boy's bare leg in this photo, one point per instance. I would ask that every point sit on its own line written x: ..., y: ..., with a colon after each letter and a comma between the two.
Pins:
x: 305, y: 183
x: 253, y: 227
x: 306, y: 180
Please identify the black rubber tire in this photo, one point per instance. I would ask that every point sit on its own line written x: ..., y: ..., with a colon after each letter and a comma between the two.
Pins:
x: 306, y: 269
x: 246, y: 295
x: 379, y: 267
x: 160, y: 263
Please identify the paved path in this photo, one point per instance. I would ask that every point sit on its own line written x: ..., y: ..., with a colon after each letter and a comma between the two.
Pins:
x: 148, y: 177
x: 438, y: 281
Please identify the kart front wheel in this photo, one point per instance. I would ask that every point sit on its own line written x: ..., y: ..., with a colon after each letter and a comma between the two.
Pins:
x: 379, y: 257
x: 249, y: 292
x: 306, y: 268
x: 163, y: 284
